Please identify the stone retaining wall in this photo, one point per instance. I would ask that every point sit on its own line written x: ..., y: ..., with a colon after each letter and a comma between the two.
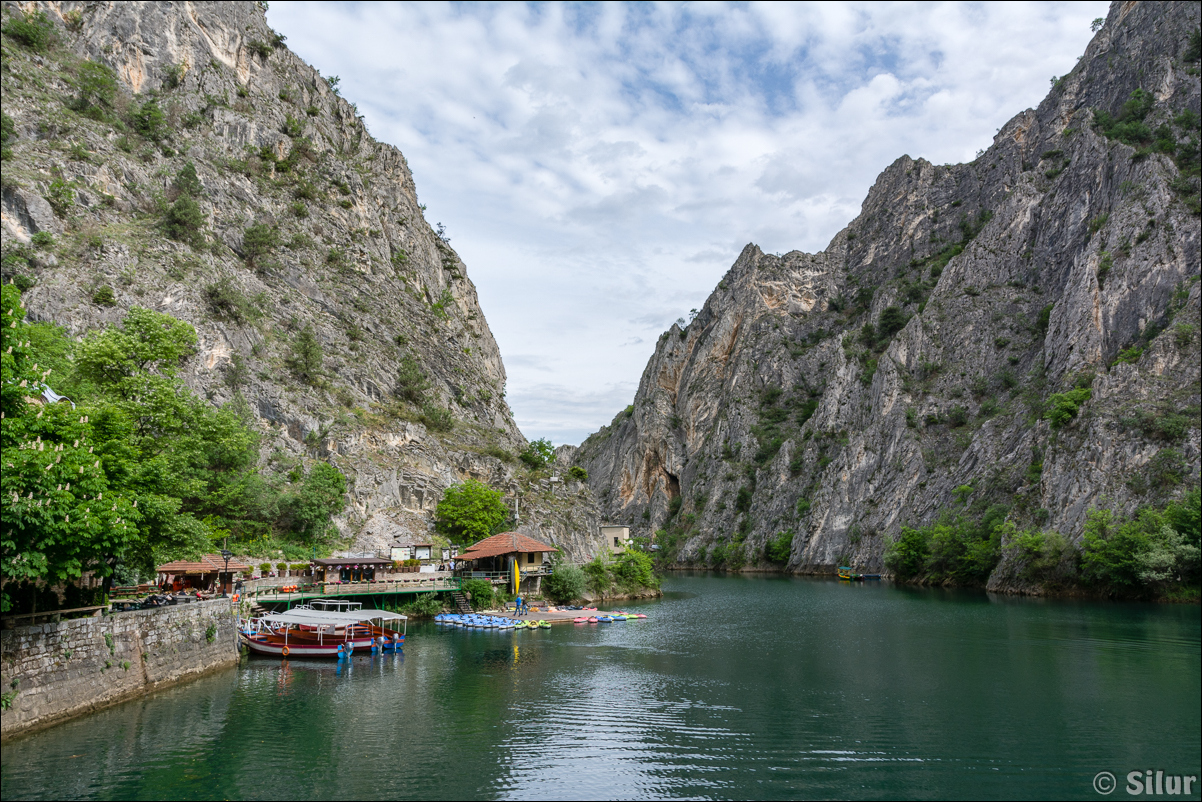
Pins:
x: 51, y: 672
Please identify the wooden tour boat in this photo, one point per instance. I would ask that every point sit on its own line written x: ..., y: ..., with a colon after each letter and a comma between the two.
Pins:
x: 323, y: 629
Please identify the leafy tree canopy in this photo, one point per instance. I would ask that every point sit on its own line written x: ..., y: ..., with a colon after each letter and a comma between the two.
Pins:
x: 538, y: 454
x: 469, y: 512
x: 140, y: 470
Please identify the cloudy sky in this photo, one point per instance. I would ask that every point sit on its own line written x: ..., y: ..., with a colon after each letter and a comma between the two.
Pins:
x: 599, y: 167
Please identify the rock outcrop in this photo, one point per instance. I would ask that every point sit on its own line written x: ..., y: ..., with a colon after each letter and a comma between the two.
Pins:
x: 908, y: 368
x: 342, y: 253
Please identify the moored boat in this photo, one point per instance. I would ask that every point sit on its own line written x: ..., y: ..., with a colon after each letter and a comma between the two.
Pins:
x: 310, y: 632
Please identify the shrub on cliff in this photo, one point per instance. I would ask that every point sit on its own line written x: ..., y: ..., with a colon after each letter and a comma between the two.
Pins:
x: 227, y: 302
x: 1128, y: 125
x: 892, y: 320
x: 1063, y: 407
x: 187, y: 182
x: 34, y: 30
x: 8, y: 132
x: 436, y: 418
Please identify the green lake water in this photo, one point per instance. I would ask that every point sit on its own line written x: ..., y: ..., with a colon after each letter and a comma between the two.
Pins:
x: 734, y: 687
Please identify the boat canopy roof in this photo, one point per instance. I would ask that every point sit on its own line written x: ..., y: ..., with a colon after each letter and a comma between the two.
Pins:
x: 328, y: 618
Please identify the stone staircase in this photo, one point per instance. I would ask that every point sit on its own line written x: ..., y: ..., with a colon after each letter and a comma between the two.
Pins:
x: 461, y: 602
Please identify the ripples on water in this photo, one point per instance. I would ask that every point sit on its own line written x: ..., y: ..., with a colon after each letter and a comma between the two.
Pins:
x: 735, y: 687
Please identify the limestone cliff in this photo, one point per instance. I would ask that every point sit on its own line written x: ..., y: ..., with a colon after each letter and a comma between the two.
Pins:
x: 343, y: 251
x: 907, y: 369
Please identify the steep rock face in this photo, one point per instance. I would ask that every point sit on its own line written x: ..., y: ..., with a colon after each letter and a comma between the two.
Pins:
x: 355, y: 262
x: 907, y: 369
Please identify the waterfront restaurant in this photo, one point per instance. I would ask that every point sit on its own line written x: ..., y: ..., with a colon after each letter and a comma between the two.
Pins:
x: 203, y: 574
x: 349, y: 569
x: 494, y: 554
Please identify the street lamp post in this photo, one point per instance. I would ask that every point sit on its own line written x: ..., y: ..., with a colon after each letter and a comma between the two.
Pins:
x: 226, y: 554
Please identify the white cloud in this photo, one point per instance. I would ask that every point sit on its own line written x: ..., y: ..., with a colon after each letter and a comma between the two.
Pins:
x: 600, y: 167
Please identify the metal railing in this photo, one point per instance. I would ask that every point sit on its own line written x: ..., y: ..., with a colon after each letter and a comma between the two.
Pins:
x: 421, y: 583
x: 505, y: 576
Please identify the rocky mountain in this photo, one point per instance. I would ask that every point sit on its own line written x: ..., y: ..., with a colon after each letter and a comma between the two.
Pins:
x: 178, y: 156
x: 1019, y: 330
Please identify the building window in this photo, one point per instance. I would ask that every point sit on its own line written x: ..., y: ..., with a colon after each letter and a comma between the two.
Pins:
x: 617, y: 542
x: 530, y: 558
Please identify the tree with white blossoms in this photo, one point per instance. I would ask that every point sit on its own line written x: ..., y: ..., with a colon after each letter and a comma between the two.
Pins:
x: 58, y: 514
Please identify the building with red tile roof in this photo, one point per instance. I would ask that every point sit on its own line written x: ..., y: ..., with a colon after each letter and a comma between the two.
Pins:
x: 505, y: 544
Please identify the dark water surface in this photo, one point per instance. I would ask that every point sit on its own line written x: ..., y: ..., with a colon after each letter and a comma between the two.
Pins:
x: 766, y: 688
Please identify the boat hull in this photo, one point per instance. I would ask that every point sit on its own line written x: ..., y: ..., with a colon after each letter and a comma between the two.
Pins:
x: 272, y: 648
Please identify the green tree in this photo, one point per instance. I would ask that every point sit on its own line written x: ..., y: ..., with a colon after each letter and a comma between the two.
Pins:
x: 480, y: 591
x: 310, y: 506
x: 779, y: 548
x: 411, y: 383
x: 565, y: 584
x: 258, y: 241
x: 185, y: 221
x: 307, y: 358
x: 892, y: 320
x: 59, y: 514
x: 187, y: 182
x: 149, y: 348
x: 906, y: 557
x: 469, y: 512
x: 538, y: 454
x: 633, y: 571
x: 174, y: 473
x: 148, y: 120
x: 597, y: 575
x: 97, y: 85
